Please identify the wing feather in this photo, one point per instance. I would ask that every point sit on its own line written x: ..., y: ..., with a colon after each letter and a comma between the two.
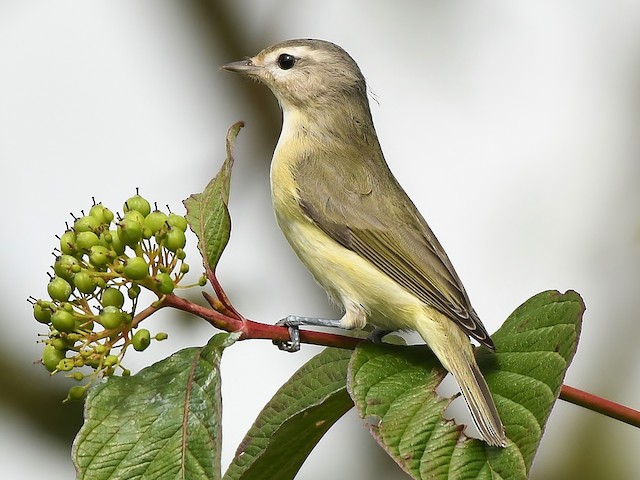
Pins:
x: 372, y: 216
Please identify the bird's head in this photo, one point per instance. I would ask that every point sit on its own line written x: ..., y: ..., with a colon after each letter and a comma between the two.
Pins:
x: 304, y: 73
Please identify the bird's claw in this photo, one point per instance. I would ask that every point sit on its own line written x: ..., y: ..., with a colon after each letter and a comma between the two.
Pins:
x: 292, y: 345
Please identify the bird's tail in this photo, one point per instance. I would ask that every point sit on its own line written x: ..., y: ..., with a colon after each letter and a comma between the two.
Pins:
x: 454, y: 351
x: 478, y: 397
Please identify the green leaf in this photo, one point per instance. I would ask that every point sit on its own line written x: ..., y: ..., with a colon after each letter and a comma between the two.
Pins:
x: 294, y: 420
x: 394, y: 390
x: 207, y: 212
x: 163, y: 423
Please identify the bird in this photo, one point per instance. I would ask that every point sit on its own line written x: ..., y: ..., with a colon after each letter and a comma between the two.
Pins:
x: 351, y: 223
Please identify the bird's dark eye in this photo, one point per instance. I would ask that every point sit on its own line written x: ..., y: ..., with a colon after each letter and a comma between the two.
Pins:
x: 286, y: 61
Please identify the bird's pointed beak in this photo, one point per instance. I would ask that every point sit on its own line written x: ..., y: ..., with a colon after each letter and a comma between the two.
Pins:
x: 245, y: 67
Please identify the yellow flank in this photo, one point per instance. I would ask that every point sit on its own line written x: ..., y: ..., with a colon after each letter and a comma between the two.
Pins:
x: 349, y: 279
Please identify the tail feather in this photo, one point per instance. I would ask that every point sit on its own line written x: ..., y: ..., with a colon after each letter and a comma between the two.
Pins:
x: 483, y: 409
x: 452, y: 347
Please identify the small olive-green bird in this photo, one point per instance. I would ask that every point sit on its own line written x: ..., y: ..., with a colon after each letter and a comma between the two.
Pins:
x: 352, y: 224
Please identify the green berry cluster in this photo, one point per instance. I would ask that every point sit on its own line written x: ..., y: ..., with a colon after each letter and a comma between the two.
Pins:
x: 102, y: 265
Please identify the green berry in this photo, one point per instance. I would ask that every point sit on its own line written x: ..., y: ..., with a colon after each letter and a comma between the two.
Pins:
x: 68, y: 243
x: 184, y: 268
x: 181, y: 254
x: 59, y: 344
x: 42, y: 313
x: 77, y: 392
x: 133, y: 291
x: 164, y: 283
x: 65, y: 266
x: 63, y: 321
x: 161, y: 336
x: 155, y: 221
x: 93, y: 362
x: 135, y: 216
x: 139, y: 204
x: 113, y: 241
x: 66, y: 364
x: 175, y: 239
x: 103, y: 214
x: 108, y: 215
x: 112, y: 297
x: 110, y: 361
x: 136, y: 268
x: 99, y: 256
x: 86, y: 240
x: 59, y: 289
x: 51, y: 357
x: 111, y: 317
x: 141, y: 340
x: 79, y: 376
x: 84, y: 282
x: 86, y: 224
x: 178, y: 221
x: 96, y: 211
x: 130, y: 229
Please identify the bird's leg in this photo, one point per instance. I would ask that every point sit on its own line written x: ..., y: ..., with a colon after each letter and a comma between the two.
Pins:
x: 293, y: 322
x: 354, y: 317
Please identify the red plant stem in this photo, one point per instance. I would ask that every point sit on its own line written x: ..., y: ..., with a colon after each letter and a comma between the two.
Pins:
x: 215, y: 318
x: 143, y: 314
x: 600, y: 405
x: 222, y: 296
x: 258, y: 330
